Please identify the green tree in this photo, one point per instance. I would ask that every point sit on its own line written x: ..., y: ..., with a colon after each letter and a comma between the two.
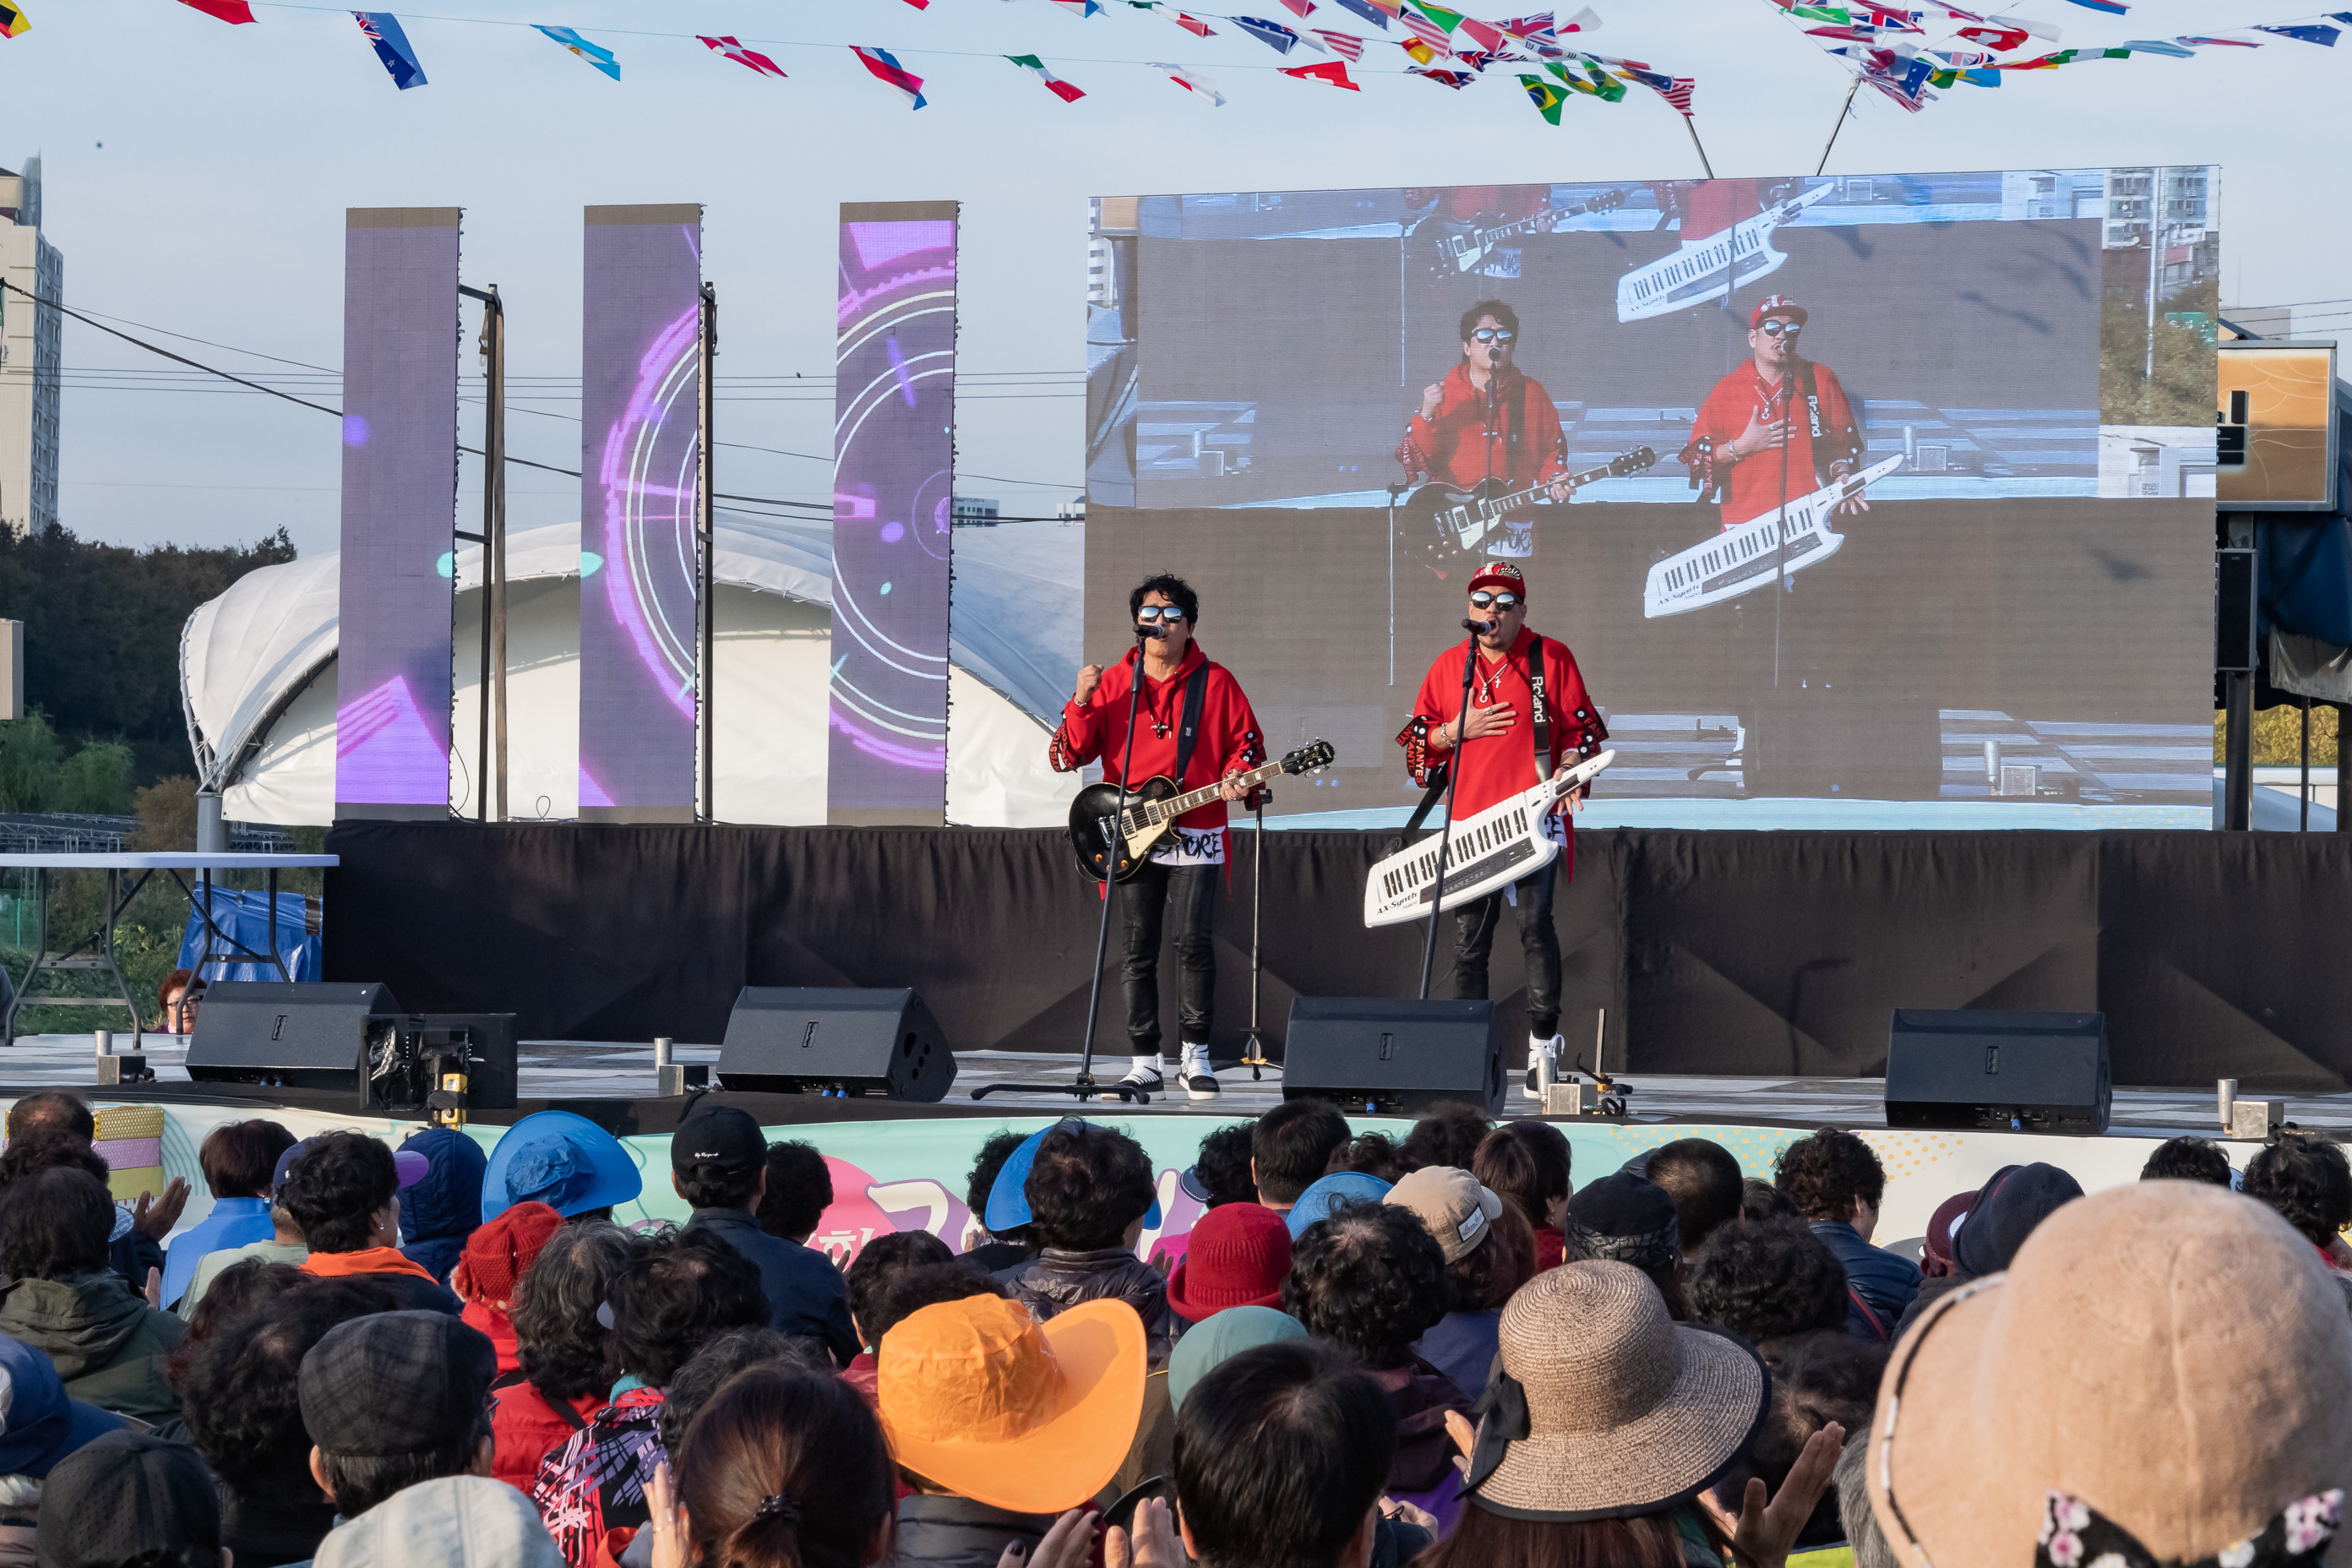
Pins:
x: 102, y: 626
x: 37, y: 773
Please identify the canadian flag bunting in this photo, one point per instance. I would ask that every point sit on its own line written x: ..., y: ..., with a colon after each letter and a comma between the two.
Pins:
x: 1331, y: 73
x: 1192, y: 82
x: 726, y: 45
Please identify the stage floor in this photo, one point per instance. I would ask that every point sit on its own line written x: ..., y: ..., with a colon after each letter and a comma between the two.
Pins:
x: 578, y: 1071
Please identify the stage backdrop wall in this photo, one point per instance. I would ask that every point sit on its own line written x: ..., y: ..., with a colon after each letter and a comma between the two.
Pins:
x: 1711, y: 952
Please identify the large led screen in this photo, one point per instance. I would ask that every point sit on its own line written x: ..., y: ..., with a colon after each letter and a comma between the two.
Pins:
x: 640, y: 450
x: 399, y: 511
x: 1871, y: 499
x: 894, y: 477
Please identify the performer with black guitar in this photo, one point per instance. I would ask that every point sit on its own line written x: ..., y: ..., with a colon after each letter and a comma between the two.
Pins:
x: 1529, y: 717
x: 1193, y: 725
x: 1487, y: 422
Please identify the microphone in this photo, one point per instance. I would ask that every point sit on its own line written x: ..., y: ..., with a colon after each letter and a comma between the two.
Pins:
x: 1150, y: 634
x: 1479, y: 627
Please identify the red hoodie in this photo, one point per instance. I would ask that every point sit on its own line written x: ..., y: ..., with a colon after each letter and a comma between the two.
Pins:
x: 1495, y: 767
x: 1228, y: 741
x: 1463, y: 446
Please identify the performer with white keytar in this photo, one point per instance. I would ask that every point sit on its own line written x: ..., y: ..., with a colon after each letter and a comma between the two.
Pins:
x: 1194, y: 726
x: 1529, y: 716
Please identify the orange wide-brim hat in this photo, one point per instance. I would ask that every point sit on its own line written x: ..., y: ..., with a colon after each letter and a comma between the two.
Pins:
x: 978, y: 1397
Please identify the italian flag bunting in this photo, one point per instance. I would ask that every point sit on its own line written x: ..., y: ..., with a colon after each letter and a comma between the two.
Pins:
x: 1053, y: 84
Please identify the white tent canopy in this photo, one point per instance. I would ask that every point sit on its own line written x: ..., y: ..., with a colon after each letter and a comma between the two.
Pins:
x: 258, y: 679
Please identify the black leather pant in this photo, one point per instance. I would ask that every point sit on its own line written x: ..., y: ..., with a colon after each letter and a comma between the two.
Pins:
x: 1473, y: 940
x: 1143, y: 903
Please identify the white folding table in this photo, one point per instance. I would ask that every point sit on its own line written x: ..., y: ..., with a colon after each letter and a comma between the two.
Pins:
x: 218, y: 943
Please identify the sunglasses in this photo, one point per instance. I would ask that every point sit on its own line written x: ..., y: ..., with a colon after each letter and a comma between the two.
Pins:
x: 1482, y: 600
x: 1153, y: 615
x: 1776, y: 328
x: 1501, y: 336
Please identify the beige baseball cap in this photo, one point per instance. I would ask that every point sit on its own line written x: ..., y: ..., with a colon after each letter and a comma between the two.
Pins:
x: 1457, y: 1210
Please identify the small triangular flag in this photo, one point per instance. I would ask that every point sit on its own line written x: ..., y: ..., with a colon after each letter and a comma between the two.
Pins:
x: 1331, y: 73
x: 1053, y: 84
x: 595, y: 54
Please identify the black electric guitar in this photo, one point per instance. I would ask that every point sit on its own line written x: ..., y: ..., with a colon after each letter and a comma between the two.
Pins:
x: 1109, y: 844
x: 1451, y: 522
x: 1459, y: 254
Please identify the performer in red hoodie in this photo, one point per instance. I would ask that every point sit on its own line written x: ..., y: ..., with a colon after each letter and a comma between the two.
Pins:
x: 1485, y: 420
x: 1187, y: 867
x: 1496, y: 743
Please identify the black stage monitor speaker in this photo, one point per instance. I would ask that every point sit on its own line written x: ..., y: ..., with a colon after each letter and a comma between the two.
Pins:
x: 296, y: 1036
x: 1379, y: 1055
x: 801, y: 1040
x: 2032, y: 1072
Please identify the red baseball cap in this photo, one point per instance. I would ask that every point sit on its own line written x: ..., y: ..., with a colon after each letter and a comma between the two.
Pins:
x: 1499, y: 574
x: 1776, y: 305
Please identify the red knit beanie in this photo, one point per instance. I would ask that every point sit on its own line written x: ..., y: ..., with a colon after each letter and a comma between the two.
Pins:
x: 499, y: 1254
x: 1237, y: 1256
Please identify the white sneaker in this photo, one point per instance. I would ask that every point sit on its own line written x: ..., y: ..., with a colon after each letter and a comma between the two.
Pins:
x: 1538, y: 1049
x: 1143, y: 1073
x: 1200, y: 1081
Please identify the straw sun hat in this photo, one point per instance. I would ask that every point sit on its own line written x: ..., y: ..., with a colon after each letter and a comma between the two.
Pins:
x: 1607, y: 1407
x: 2163, y: 1374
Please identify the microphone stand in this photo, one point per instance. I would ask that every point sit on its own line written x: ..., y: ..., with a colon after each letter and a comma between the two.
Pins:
x: 1254, y: 1047
x: 1446, y: 834
x: 1084, y: 1085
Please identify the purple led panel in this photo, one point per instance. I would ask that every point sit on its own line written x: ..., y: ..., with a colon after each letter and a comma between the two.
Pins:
x: 400, y: 497
x: 640, y: 441
x: 894, y: 475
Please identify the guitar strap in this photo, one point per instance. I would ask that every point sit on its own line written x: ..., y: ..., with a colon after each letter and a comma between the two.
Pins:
x: 1542, y: 714
x: 1196, y: 692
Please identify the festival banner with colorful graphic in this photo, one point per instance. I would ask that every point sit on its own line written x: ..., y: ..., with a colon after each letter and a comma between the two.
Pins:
x: 640, y: 453
x: 399, y: 511
x: 894, y: 470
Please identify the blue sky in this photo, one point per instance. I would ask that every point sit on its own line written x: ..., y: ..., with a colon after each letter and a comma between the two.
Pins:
x: 215, y: 206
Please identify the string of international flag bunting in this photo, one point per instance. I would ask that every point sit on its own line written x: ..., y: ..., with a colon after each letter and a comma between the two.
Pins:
x: 1906, y: 51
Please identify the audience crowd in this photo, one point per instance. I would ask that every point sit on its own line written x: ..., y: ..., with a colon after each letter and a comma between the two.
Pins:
x: 1365, y: 1352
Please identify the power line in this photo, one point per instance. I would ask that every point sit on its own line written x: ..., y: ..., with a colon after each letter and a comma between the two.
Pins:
x: 547, y: 468
x: 337, y: 413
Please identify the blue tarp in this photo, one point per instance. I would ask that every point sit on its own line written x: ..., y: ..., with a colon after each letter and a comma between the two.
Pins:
x: 244, y: 917
x: 2305, y: 567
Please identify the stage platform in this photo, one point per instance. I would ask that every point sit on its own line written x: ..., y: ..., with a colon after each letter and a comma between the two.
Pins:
x: 898, y: 1165
x: 575, y: 1073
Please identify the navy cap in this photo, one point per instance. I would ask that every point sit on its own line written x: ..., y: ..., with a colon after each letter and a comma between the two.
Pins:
x: 2005, y: 1212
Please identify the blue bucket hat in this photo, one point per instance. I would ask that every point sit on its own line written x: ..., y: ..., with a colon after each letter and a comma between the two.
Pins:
x: 563, y: 1161
x: 1341, y: 1187
x: 1008, y: 1201
x: 38, y: 1424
